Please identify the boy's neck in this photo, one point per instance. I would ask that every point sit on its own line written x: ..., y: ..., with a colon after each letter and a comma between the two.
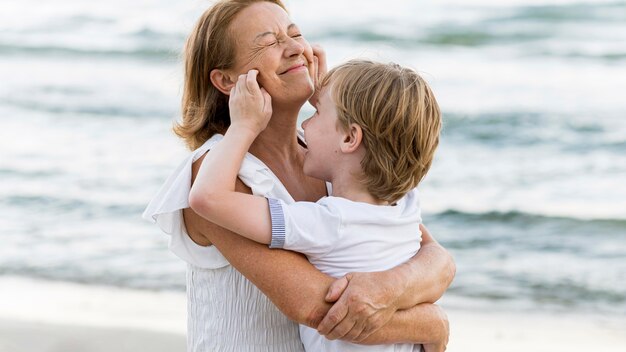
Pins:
x: 348, y: 185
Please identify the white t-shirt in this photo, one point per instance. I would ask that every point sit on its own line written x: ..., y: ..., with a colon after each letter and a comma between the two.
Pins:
x: 339, y: 236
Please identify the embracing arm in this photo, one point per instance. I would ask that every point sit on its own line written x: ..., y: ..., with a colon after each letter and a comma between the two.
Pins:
x: 298, y: 289
x: 287, y: 278
x: 428, y: 274
x: 432, y: 331
x: 371, y: 298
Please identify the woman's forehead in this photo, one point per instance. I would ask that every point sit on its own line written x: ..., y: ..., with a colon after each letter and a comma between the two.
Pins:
x: 262, y: 17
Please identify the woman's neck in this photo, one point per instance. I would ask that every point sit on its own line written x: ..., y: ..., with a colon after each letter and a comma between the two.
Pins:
x: 277, y: 146
x: 279, y: 140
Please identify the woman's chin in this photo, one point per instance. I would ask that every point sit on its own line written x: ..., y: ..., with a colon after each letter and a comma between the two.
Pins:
x: 304, y: 86
x: 308, y: 89
x: 295, y: 94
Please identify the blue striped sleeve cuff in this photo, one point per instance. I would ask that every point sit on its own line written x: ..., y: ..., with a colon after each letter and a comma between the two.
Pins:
x: 278, y: 223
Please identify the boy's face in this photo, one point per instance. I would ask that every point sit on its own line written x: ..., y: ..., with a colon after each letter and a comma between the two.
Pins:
x: 323, y: 136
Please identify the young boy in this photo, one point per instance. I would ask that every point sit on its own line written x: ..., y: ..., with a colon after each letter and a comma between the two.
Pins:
x: 373, y: 137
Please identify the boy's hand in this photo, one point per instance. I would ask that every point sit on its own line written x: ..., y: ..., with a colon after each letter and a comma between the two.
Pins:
x: 318, y: 71
x: 250, y: 105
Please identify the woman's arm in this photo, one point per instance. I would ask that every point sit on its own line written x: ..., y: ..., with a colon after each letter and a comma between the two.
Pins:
x: 296, y: 287
x: 287, y: 278
x: 374, y: 297
x: 432, y: 331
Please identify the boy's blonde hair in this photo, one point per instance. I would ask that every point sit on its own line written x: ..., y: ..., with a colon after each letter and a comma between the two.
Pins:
x: 400, y: 119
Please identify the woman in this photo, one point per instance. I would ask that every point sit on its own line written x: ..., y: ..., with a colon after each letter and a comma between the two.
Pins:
x: 226, y: 311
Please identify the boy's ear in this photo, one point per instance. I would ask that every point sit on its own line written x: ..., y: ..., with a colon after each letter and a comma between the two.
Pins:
x: 352, y: 139
x: 221, y: 80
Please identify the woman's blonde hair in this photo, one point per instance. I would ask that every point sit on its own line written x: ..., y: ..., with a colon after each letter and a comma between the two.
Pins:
x: 209, y: 46
x: 400, y: 119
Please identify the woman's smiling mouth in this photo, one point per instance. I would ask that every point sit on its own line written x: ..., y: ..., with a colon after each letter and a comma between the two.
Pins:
x: 295, y: 68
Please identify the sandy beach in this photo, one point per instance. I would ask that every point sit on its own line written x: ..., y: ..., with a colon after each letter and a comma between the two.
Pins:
x: 58, y: 317
x: 18, y: 336
x: 47, y: 316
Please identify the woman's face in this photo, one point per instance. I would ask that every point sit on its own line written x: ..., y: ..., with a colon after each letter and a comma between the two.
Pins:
x: 268, y: 41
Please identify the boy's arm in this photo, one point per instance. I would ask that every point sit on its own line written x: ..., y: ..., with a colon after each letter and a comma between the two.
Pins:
x: 213, y: 195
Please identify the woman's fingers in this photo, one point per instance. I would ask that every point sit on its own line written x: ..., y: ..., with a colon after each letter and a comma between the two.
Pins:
x: 313, y: 71
x: 334, y: 316
x: 342, y: 329
x: 361, y: 309
x: 336, y: 289
x: 356, y: 333
x: 320, y: 54
x: 318, y: 72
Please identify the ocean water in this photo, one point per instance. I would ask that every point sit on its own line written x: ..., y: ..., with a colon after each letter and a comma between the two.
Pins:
x: 528, y: 190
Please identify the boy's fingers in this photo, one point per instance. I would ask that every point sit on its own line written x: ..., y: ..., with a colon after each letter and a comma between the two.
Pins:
x: 240, y: 82
x: 267, y: 101
x: 251, y: 82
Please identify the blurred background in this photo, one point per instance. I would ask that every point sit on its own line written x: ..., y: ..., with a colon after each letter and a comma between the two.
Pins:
x: 528, y: 190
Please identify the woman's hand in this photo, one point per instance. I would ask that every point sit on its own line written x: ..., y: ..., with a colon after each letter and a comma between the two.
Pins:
x: 318, y: 70
x: 364, y: 303
x: 370, y: 299
x: 250, y: 105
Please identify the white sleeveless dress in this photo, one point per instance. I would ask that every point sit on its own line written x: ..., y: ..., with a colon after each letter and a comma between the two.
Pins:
x: 226, y: 312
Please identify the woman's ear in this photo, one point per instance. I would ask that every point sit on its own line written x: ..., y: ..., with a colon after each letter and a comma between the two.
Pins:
x: 352, y: 139
x: 221, y: 81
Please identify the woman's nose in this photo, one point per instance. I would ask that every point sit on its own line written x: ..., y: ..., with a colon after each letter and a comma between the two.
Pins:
x: 295, y: 48
x: 305, y: 122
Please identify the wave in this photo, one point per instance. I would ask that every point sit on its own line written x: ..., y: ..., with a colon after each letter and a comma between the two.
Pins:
x: 511, y: 26
x: 514, y: 129
x: 115, y: 278
x: 555, y: 295
x: 144, y: 111
x: 75, y: 208
x: 587, y: 12
x: 446, y: 35
x: 512, y: 217
x: 152, y: 53
x: 537, y: 42
x: 608, y: 56
x: 30, y: 174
